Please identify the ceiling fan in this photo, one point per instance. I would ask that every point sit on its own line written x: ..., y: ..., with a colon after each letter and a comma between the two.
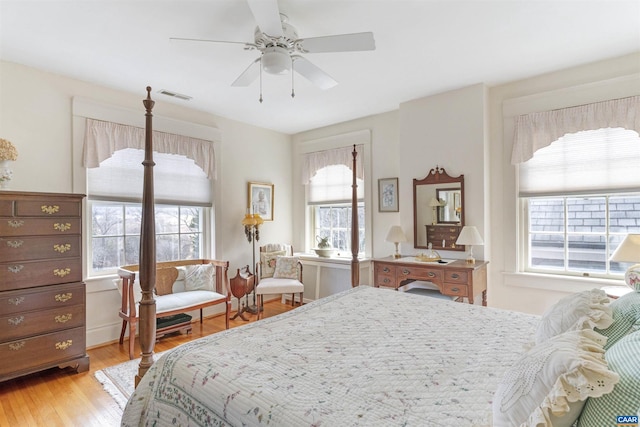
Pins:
x: 280, y: 47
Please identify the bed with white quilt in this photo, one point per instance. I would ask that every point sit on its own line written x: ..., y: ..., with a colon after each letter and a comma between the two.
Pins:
x: 376, y: 357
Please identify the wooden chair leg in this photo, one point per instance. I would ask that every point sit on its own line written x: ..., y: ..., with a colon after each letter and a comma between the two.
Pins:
x: 201, y: 316
x: 293, y: 299
x: 124, y: 328
x: 132, y: 339
x: 260, y: 307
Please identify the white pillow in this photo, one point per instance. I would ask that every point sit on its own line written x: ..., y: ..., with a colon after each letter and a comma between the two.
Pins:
x: 286, y: 267
x: 268, y: 262
x: 549, y: 384
x: 200, y: 277
x: 582, y: 310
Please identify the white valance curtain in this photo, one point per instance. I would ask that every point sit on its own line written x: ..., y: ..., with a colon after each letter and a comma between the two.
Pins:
x: 537, y: 130
x: 313, y: 162
x: 102, y: 139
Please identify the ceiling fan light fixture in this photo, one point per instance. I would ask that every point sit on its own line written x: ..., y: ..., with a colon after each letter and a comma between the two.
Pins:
x: 276, y: 60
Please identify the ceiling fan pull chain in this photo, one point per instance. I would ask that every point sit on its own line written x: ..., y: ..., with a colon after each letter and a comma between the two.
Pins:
x: 293, y: 92
x: 260, y: 80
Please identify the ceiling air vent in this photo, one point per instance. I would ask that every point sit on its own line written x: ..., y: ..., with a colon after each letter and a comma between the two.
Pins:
x: 175, y: 95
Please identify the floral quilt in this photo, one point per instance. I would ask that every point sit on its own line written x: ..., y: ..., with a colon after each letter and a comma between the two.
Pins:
x: 363, y: 357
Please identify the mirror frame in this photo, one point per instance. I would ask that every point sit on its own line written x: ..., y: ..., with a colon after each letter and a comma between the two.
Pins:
x: 437, y: 177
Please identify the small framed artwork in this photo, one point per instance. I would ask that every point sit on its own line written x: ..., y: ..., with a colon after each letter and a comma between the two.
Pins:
x: 388, y: 195
x: 261, y: 200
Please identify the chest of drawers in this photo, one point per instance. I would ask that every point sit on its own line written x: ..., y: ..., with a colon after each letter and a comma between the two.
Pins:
x: 42, y: 296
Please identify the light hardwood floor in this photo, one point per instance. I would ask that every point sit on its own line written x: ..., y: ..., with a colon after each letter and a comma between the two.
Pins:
x: 59, y: 397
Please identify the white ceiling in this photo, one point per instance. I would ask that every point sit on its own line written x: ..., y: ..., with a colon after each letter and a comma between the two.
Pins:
x: 422, y: 48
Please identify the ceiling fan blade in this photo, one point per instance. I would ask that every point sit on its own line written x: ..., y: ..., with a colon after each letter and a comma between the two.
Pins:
x: 247, y: 45
x: 249, y: 75
x: 267, y: 15
x: 312, y: 73
x: 338, y: 43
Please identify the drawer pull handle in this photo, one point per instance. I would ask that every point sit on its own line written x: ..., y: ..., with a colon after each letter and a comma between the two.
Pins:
x: 62, y: 248
x: 16, y: 301
x: 15, y: 243
x: 63, y: 345
x: 61, y: 272
x: 16, y: 321
x: 455, y: 289
x: 15, y: 346
x: 15, y: 268
x: 14, y: 223
x: 386, y: 269
x: 63, y: 318
x: 50, y: 209
x: 431, y: 274
x: 63, y: 297
x: 455, y: 276
x: 386, y: 280
x: 405, y: 271
x: 61, y: 227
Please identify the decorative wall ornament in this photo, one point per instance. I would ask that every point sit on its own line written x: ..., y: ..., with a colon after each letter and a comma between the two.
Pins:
x: 8, y: 153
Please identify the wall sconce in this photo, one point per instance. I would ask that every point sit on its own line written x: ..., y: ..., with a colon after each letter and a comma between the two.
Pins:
x: 469, y: 236
x: 629, y: 251
x: 396, y: 235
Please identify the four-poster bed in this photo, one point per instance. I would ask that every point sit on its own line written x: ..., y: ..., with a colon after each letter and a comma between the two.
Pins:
x: 366, y: 356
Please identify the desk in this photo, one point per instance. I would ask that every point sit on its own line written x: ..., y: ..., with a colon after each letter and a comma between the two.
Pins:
x: 456, y: 279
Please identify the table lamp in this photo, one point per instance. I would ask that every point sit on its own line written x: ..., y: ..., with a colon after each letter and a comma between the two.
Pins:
x: 396, y: 235
x: 469, y: 236
x: 629, y: 251
x: 435, y: 204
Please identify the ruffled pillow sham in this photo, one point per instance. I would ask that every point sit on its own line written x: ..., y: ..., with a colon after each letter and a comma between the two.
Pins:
x: 549, y: 384
x: 581, y: 310
x: 286, y: 267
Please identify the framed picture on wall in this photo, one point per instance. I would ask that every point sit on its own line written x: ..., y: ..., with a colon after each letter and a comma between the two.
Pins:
x: 388, y: 195
x: 261, y: 200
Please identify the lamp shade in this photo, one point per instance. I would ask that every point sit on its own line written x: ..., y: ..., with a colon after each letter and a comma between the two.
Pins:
x: 396, y: 234
x: 248, y: 220
x: 469, y: 235
x: 434, y: 202
x: 629, y: 249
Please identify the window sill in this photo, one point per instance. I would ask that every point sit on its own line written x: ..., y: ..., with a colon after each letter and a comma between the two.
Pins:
x: 307, y: 257
x: 555, y: 283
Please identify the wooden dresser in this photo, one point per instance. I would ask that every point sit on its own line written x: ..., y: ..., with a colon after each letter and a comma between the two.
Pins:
x: 456, y: 279
x: 444, y: 236
x: 42, y: 296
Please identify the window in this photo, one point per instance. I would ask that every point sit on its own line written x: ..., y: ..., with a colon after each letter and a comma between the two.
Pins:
x: 329, y: 201
x: 580, y: 196
x: 578, y: 234
x: 182, y: 194
x: 115, y: 233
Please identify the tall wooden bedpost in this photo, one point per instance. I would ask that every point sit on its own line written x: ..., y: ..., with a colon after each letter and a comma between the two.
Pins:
x: 355, y: 233
x: 147, y: 260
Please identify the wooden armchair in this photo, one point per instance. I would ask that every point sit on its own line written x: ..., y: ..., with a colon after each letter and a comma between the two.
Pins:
x: 278, y: 272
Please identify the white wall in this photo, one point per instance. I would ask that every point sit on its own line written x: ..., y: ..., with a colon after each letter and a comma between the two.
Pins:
x: 36, y: 115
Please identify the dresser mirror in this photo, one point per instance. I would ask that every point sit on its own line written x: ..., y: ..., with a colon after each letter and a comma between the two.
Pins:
x: 438, y: 210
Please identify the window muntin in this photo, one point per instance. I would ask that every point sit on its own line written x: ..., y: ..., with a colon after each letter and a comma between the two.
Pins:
x: 115, y: 234
x: 576, y: 235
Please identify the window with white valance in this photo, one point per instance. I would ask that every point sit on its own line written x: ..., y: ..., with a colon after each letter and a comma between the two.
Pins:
x: 183, y: 191
x: 537, y: 130
x: 103, y: 138
x: 314, y: 161
x: 578, y: 186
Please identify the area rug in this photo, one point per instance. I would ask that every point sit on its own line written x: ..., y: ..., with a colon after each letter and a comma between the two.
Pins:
x: 119, y: 380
